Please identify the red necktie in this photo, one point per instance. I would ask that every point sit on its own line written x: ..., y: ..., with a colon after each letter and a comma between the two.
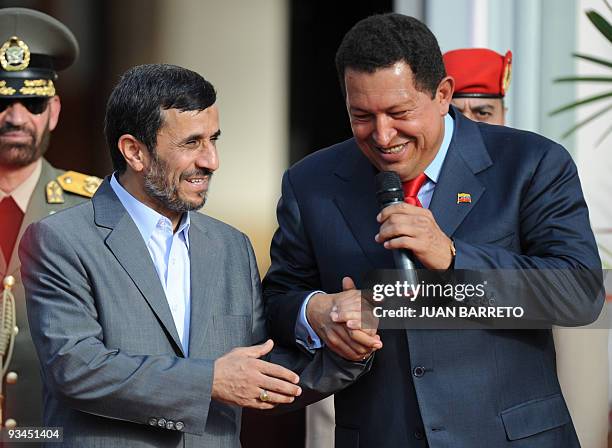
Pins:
x: 10, y: 222
x: 411, y: 189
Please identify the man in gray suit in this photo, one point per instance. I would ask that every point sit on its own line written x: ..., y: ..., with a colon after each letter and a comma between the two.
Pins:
x: 137, y: 305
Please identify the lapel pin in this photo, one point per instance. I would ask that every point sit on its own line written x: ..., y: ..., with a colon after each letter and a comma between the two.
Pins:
x: 464, y: 198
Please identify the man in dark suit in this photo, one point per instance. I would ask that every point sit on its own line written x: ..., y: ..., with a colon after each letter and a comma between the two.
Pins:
x: 477, y: 197
x: 142, y: 311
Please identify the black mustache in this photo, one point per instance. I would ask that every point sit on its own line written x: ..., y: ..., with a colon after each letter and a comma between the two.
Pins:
x: 8, y: 127
x: 204, y: 172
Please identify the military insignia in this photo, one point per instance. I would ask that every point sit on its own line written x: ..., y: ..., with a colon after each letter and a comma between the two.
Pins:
x: 79, y: 183
x: 14, y: 55
x: 464, y: 198
x: 55, y: 194
x: 6, y: 90
x: 38, y: 87
x: 507, y: 72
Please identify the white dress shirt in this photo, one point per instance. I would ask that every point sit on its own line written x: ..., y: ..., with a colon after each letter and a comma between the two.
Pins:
x: 170, y: 254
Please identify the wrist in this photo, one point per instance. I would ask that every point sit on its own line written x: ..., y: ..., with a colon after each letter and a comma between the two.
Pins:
x: 314, y: 308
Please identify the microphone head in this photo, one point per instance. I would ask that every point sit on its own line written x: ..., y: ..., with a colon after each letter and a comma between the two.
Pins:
x: 388, y: 188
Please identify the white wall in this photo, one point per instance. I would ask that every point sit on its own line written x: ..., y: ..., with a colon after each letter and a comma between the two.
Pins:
x: 595, y: 161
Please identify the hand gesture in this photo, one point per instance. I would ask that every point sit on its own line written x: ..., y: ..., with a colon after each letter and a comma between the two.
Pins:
x: 243, y: 379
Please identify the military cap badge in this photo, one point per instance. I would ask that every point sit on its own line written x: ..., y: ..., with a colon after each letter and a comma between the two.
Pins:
x: 14, y: 55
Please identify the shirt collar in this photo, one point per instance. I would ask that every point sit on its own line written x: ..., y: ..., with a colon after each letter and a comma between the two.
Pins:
x: 24, y: 191
x: 145, y: 218
x: 435, y: 167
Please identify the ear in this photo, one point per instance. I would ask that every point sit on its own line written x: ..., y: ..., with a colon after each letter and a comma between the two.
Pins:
x: 444, y: 93
x: 134, y: 152
x: 55, y: 106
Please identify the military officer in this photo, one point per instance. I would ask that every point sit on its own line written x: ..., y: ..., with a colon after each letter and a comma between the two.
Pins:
x: 482, y: 78
x: 33, y: 48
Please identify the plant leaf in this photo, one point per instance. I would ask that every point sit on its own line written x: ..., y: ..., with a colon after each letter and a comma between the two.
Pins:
x: 593, y: 59
x: 601, y: 24
x: 603, y: 137
x: 588, y: 119
x: 584, y: 78
x: 589, y: 99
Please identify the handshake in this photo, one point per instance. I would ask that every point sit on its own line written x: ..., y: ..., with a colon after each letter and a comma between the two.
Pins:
x: 242, y: 379
x: 337, y: 320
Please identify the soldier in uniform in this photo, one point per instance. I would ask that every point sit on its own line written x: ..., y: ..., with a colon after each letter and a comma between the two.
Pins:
x: 33, y: 48
x: 482, y: 78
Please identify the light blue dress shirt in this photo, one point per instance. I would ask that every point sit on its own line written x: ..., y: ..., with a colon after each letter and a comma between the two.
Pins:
x: 170, y: 254
x: 304, y: 333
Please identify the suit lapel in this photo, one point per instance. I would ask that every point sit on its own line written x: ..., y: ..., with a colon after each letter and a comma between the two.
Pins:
x: 466, y: 157
x: 126, y: 243
x: 356, y: 199
x: 204, y: 254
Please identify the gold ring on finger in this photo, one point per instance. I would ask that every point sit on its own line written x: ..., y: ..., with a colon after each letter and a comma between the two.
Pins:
x: 263, y: 396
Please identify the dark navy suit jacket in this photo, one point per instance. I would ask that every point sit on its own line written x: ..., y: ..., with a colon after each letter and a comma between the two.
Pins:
x: 474, y: 388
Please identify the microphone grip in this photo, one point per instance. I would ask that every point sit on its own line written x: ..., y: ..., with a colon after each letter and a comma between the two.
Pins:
x: 405, y: 266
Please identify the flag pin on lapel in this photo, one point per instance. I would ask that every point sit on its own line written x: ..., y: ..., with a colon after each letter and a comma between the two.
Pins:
x: 464, y: 198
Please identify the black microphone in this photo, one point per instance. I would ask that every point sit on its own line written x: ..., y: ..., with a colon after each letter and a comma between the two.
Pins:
x: 389, y: 191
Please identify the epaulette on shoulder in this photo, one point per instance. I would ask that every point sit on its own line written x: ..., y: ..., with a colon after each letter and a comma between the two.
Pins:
x: 72, y: 182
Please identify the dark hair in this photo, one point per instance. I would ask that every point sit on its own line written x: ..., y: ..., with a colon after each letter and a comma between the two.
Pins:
x: 135, y: 104
x: 381, y: 40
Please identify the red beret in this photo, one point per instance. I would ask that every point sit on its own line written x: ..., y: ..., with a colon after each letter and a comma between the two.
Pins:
x: 479, y: 72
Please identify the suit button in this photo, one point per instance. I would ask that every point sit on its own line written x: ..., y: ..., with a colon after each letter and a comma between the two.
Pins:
x: 153, y: 421
x: 169, y: 424
x: 11, y: 377
x: 179, y: 426
x: 419, y: 435
x: 10, y: 423
x: 161, y: 422
x: 419, y: 371
x: 16, y: 330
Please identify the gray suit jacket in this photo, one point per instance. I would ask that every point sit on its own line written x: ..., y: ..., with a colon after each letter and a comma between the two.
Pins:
x: 114, y: 371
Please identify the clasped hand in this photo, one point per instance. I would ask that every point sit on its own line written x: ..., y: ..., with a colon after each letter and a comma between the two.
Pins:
x: 337, y: 320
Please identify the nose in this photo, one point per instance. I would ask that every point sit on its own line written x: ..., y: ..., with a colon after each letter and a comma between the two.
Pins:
x: 208, y: 158
x: 16, y: 114
x: 384, y: 133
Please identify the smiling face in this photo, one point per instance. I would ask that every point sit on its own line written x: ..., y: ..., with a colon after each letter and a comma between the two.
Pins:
x: 177, y: 175
x: 487, y: 110
x: 24, y: 136
x: 397, y: 127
